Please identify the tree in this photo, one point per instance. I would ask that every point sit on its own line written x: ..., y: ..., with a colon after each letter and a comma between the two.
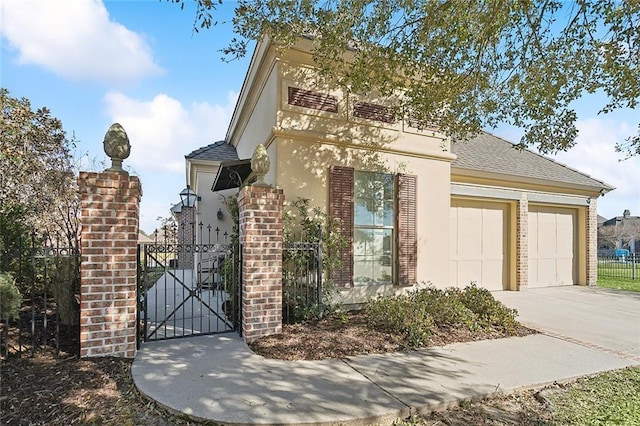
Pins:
x: 619, y: 234
x: 466, y: 65
x: 38, y: 196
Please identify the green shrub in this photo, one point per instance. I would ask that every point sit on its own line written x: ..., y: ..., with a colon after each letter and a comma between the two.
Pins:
x: 489, y: 311
x: 445, y: 306
x: 403, y: 315
x: 10, y: 298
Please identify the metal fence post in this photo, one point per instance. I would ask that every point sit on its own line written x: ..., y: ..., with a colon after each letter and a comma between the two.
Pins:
x: 319, y: 272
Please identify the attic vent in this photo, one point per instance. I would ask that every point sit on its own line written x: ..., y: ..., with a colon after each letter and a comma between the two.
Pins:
x: 314, y: 100
x: 416, y: 123
x: 375, y: 112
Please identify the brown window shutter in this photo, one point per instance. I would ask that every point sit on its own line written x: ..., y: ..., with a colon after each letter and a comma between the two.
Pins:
x: 341, y: 210
x: 407, y: 232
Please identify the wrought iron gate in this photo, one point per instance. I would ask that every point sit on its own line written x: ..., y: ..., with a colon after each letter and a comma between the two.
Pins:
x: 188, y: 289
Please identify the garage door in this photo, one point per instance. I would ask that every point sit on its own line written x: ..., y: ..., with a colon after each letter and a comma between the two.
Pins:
x: 478, y: 247
x: 552, y: 246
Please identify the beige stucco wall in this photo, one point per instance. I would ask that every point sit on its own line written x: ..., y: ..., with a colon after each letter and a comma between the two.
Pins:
x: 302, y: 167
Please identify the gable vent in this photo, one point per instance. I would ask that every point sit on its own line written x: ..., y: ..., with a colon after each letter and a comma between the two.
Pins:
x: 375, y: 112
x: 314, y: 100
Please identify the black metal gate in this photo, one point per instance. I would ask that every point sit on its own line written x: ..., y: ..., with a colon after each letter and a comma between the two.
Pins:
x: 188, y: 289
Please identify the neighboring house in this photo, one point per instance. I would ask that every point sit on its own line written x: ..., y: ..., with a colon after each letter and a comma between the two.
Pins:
x: 620, y: 232
x: 414, y: 206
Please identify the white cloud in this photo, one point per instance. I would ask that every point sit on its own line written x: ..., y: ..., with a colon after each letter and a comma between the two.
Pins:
x: 595, y: 155
x: 75, y: 39
x: 163, y: 130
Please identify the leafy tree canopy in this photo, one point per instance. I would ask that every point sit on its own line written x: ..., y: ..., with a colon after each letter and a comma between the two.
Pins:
x: 36, y: 170
x: 466, y: 65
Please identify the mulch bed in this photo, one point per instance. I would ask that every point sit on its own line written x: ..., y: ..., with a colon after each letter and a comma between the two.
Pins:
x: 334, y: 338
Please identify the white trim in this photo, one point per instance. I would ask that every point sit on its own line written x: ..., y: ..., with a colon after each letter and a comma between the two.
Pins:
x: 511, y: 194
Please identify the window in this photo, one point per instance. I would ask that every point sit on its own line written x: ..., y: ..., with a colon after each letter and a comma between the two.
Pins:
x: 376, y: 213
x: 374, y: 219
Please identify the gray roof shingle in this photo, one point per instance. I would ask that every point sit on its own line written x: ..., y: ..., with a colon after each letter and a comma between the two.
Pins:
x: 218, y: 151
x: 489, y: 153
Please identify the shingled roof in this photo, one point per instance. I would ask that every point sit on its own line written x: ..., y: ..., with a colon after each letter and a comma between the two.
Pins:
x: 489, y: 153
x: 218, y: 151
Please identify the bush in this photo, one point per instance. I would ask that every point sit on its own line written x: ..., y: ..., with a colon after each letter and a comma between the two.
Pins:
x: 489, y: 311
x: 445, y: 306
x: 10, y: 298
x: 413, y: 315
x: 401, y: 315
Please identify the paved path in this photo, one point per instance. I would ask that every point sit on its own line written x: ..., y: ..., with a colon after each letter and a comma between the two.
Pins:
x: 219, y: 378
x: 584, y: 331
x: 597, y: 317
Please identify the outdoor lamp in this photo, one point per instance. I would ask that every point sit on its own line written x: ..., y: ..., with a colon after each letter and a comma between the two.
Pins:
x: 220, y: 215
x: 188, y: 197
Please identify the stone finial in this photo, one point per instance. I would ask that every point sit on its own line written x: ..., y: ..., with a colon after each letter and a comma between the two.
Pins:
x: 260, y: 165
x: 116, y: 146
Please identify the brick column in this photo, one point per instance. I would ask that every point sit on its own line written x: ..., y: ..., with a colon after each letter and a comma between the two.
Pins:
x: 260, y: 210
x: 186, y: 237
x: 522, y: 243
x: 592, y: 242
x: 109, y: 204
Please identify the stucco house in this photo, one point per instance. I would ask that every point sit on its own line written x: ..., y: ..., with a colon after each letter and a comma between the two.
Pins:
x: 414, y: 205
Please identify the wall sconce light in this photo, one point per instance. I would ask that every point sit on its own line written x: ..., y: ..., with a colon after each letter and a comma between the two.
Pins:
x: 220, y: 215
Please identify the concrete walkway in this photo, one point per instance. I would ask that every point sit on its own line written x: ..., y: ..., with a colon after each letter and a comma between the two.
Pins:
x: 219, y: 378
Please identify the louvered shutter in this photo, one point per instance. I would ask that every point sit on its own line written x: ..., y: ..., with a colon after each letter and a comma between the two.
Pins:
x: 407, y: 233
x: 341, y: 210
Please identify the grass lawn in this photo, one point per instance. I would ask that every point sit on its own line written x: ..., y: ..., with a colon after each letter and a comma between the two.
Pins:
x: 619, y: 283
x: 610, y: 398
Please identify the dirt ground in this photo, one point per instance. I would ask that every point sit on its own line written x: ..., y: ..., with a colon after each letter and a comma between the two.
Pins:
x: 63, y: 390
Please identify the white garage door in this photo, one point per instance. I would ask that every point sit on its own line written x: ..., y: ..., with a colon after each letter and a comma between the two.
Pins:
x: 478, y: 247
x: 551, y: 246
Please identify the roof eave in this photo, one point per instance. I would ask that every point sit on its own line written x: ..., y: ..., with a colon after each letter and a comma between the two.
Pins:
x: 601, y: 189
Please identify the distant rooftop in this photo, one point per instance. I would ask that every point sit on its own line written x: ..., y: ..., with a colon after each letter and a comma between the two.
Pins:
x: 218, y: 151
x: 489, y: 153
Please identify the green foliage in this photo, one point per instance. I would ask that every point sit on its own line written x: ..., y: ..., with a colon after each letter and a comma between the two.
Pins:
x: 489, y: 312
x: 10, y: 298
x: 608, y: 399
x: 402, y: 315
x: 308, y: 224
x: 445, y: 306
x: 465, y: 65
x: 413, y: 314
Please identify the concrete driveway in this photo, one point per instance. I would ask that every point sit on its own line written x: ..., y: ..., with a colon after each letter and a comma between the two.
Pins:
x: 600, y: 318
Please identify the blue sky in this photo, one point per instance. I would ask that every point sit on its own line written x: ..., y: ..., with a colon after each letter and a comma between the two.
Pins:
x: 139, y: 63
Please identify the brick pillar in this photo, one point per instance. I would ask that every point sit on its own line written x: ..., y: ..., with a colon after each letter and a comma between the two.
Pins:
x: 260, y: 211
x: 592, y: 242
x: 186, y: 237
x: 109, y: 204
x: 522, y: 243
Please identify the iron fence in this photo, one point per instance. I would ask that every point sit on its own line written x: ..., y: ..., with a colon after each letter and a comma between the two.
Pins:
x: 624, y: 266
x: 302, y: 280
x: 188, y: 288
x: 47, y: 273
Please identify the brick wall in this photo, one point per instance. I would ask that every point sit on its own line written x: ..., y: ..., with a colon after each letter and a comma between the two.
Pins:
x: 522, y: 243
x: 109, y: 217
x: 261, y: 238
x: 592, y: 242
